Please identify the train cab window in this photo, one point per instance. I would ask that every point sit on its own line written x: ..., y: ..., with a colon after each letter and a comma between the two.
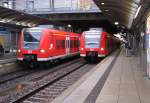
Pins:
x: 92, y: 39
x: 32, y: 36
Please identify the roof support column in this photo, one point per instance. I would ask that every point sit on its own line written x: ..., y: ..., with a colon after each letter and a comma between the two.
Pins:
x: 148, y: 44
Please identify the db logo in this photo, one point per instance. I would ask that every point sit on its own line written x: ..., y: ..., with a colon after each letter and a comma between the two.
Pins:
x: 29, y: 51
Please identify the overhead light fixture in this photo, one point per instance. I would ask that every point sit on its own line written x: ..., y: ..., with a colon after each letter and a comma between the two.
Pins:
x: 137, y: 12
x: 33, y: 25
x: 24, y: 24
x: 69, y: 25
x: 29, y: 24
x: 18, y: 23
x: 102, y: 3
x: 116, y: 23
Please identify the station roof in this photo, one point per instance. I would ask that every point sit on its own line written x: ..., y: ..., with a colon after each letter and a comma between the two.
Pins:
x: 121, y: 11
x: 16, y: 18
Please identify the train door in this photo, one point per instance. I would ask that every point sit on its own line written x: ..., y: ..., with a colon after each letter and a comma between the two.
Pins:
x: 67, y: 45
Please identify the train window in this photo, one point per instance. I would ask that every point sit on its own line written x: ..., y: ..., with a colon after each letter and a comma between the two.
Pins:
x: 57, y: 44
x: 75, y: 43
x: 60, y: 44
x: 63, y: 44
x: 71, y: 43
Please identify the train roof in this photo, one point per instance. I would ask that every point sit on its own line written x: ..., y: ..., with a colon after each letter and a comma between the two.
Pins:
x: 52, y: 30
x: 63, y: 32
x: 97, y: 29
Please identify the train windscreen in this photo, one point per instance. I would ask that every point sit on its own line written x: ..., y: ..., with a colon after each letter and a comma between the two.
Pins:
x: 31, y: 38
x: 92, y: 39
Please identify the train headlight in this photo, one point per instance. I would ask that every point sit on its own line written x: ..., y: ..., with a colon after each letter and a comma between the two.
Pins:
x: 42, y: 51
x: 82, y: 48
x: 102, y: 49
x: 19, y: 50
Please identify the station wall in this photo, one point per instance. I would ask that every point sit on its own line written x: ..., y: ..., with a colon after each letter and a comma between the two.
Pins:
x: 8, y: 40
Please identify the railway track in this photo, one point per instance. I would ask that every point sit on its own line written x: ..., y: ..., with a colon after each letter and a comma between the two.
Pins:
x: 49, y: 93
x: 37, y: 79
x: 34, y: 93
x: 55, y: 82
x: 16, y: 77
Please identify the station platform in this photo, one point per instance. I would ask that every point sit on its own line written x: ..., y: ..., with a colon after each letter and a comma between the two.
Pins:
x: 119, y: 80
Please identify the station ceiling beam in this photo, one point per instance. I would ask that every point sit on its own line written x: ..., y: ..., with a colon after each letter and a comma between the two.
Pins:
x: 15, y: 18
x: 122, y: 11
x: 143, y: 13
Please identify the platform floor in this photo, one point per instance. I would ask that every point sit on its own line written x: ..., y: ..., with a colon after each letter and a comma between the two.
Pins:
x: 125, y: 84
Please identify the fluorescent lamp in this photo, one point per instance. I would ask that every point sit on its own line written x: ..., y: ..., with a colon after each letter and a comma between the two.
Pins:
x: 102, y: 3
x: 137, y: 12
x: 69, y: 25
x: 116, y: 23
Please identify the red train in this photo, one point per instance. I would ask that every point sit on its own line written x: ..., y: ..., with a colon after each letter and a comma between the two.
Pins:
x: 42, y: 44
x: 97, y: 43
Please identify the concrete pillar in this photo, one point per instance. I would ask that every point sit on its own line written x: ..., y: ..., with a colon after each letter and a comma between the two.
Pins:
x: 16, y: 39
